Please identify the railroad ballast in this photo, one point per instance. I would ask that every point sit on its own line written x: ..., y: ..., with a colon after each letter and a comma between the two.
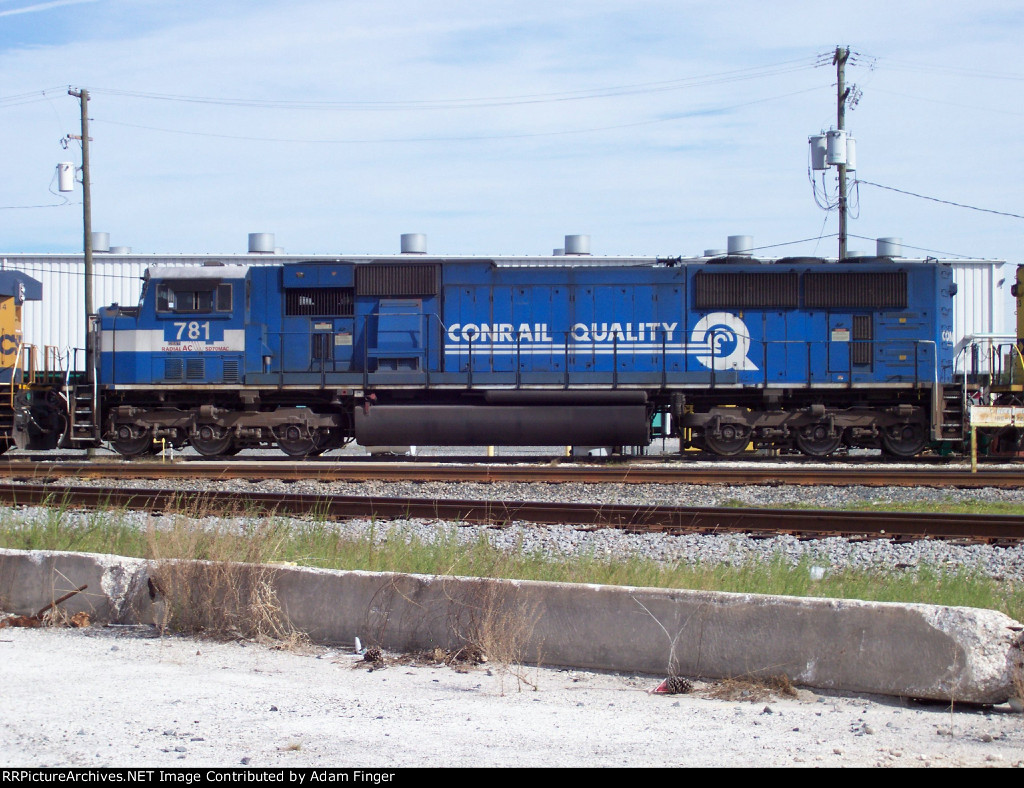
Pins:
x: 801, y: 354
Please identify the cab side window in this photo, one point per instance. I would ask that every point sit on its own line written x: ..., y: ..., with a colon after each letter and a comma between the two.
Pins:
x: 193, y: 297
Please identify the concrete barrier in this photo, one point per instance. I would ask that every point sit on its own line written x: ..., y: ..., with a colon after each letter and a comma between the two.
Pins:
x: 964, y: 655
x: 29, y: 580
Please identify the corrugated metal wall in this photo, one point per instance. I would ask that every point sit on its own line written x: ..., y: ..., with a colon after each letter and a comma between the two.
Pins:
x: 982, y: 306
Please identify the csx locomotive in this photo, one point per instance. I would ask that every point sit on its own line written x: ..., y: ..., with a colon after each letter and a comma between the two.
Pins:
x: 798, y: 355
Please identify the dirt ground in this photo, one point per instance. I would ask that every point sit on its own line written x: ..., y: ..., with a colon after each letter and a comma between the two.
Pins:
x: 124, y: 697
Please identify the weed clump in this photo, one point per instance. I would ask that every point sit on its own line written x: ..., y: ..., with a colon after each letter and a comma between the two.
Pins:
x: 218, y: 582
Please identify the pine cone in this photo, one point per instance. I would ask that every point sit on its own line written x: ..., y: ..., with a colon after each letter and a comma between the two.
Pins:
x: 677, y: 685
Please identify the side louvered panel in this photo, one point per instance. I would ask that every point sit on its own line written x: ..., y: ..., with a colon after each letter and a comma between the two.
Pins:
x: 230, y: 371
x: 174, y: 369
x: 862, y: 349
x: 876, y: 290
x: 195, y: 368
x: 746, y: 291
x: 401, y: 279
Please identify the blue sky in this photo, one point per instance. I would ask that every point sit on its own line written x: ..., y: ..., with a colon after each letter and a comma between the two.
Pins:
x: 500, y: 127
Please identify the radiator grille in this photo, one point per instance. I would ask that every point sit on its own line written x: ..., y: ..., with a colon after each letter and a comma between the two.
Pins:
x: 879, y: 290
x: 390, y: 279
x: 195, y: 368
x: 230, y: 370
x: 746, y: 291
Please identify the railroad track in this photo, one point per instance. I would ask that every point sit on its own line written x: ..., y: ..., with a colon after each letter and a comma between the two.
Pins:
x: 1011, y: 476
x: 995, y: 529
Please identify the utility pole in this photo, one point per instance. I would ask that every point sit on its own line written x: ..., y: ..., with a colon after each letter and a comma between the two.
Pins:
x: 83, y: 95
x: 839, y: 60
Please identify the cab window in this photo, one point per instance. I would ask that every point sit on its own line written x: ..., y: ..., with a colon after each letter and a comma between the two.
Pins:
x: 193, y: 297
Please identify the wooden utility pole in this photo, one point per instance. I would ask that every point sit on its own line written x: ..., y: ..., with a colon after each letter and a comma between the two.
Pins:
x: 840, y: 58
x: 83, y: 95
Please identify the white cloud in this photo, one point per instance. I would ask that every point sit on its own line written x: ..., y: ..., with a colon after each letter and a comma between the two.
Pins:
x: 29, y: 9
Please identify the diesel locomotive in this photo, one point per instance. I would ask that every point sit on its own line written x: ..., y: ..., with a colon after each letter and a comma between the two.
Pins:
x: 802, y: 355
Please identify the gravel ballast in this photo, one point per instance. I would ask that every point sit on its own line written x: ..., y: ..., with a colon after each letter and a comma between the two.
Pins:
x: 566, y: 542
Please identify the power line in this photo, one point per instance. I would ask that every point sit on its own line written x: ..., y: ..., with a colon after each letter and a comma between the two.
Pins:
x: 914, y: 97
x: 462, y: 138
x: 792, y: 243
x: 924, y: 249
x: 944, y: 202
x: 49, y: 205
x: 757, y: 72
x: 30, y: 97
x: 928, y: 68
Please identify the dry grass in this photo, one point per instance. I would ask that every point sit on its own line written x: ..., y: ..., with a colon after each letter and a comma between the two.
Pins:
x: 216, y: 582
x: 493, y: 622
x: 751, y: 688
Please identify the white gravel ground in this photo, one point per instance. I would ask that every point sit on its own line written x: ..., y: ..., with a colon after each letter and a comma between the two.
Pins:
x: 104, y: 697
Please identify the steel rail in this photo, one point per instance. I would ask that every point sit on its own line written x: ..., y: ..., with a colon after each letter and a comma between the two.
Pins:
x: 669, y: 519
x: 1002, y: 477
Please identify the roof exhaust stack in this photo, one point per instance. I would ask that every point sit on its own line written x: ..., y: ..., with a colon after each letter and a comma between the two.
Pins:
x: 889, y: 247
x: 741, y: 245
x: 261, y: 243
x: 577, y: 244
x: 414, y: 243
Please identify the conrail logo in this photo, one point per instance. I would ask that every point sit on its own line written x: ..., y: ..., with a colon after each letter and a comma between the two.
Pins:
x: 727, y: 340
x: 719, y: 340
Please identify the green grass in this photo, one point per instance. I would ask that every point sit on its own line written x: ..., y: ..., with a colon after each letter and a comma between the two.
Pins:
x: 316, y: 543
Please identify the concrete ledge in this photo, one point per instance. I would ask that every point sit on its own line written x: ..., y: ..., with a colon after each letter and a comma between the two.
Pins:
x: 30, y: 580
x: 964, y: 655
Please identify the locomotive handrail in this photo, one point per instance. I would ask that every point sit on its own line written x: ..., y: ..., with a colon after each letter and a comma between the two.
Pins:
x: 1020, y: 355
x: 23, y: 353
x: 581, y: 354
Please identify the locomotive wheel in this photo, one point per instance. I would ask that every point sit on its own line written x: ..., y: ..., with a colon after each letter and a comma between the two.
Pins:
x: 904, y: 440
x: 295, y: 442
x: 211, y: 441
x: 817, y: 440
x: 128, y: 444
x: 731, y: 440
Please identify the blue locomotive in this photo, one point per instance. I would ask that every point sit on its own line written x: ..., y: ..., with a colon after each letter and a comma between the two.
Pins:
x: 800, y: 354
